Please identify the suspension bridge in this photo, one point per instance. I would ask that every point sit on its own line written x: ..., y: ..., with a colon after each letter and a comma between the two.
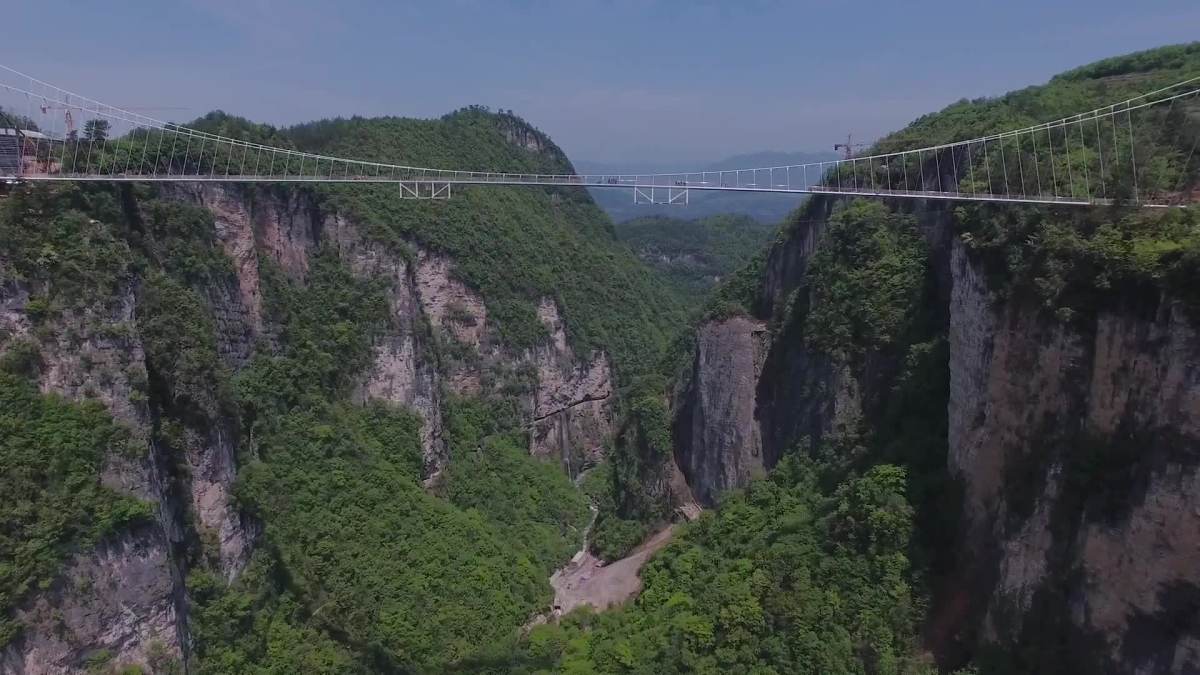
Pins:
x: 1096, y: 157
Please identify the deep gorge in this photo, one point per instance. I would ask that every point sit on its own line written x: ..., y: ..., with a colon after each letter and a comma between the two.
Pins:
x: 275, y: 429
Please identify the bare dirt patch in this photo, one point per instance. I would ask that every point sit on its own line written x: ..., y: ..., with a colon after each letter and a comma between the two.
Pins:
x: 586, y: 580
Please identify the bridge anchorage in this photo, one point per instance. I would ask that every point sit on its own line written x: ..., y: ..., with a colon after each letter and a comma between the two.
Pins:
x: 1126, y: 152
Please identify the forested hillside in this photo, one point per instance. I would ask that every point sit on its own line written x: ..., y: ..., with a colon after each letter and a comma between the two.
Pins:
x: 292, y: 430
x: 304, y: 420
x: 1019, y: 372
x: 695, y: 255
x: 988, y: 410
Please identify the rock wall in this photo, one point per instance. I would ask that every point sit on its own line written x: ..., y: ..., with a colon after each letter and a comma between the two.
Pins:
x: 572, y: 412
x: 566, y: 398
x: 756, y: 390
x: 124, y: 597
x: 1077, y: 446
x: 718, y: 445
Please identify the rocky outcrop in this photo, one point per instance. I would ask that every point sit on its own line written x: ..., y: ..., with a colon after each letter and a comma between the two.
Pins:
x: 282, y: 225
x: 519, y: 133
x: 439, y: 338
x: 403, y: 371
x: 116, y: 605
x: 237, y: 325
x: 572, y: 403
x: 756, y: 389
x: 718, y: 446
x: 125, y: 600
x: 447, y: 302
x: 124, y: 597
x: 1075, y: 444
x: 286, y: 227
x: 212, y: 469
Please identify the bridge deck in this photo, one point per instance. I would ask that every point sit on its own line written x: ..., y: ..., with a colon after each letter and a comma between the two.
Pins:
x: 1087, y: 159
x: 580, y: 182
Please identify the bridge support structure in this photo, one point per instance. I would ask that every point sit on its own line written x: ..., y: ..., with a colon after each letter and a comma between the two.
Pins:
x: 424, y: 190
x: 677, y: 196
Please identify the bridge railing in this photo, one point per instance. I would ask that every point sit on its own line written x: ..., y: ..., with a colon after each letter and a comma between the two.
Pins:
x: 1131, y: 151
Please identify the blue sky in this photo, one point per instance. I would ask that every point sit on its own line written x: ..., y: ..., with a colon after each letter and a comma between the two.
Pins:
x: 621, y: 80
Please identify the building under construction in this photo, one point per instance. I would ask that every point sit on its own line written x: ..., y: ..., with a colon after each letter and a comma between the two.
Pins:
x: 24, y: 151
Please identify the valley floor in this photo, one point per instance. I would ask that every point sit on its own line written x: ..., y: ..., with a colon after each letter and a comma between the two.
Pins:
x: 586, y: 580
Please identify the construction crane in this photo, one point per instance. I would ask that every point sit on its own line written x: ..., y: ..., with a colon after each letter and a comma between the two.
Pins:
x: 70, y: 119
x: 849, y: 146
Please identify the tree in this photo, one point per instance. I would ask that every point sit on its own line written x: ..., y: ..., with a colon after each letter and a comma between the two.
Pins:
x: 8, y: 118
x: 96, y: 130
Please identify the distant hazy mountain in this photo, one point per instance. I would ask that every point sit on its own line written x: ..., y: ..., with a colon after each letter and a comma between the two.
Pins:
x: 765, y: 208
x: 770, y: 158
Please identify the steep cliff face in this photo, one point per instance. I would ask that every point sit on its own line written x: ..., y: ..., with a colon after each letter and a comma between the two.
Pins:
x: 763, y: 385
x: 566, y: 398
x: 124, y: 597
x: 715, y: 409
x: 120, y: 603
x: 1060, y: 350
x: 1077, y: 449
x: 572, y: 404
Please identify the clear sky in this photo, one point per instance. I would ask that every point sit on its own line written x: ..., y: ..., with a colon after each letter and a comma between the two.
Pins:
x: 620, y: 80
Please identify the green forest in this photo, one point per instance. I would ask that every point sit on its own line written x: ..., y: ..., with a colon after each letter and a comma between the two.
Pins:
x: 695, y: 255
x: 790, y: 576
x: 826, y: 565
x: 347, y: 525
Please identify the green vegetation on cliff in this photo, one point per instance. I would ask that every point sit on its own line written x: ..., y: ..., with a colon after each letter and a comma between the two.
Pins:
x: 52, y: 452
x: 867, y: 304
x: 360, y: 568
x: 490, y: 473
x: 514, y: 245
x: 336, y: 487
x: 399, y: 578
x: 864, y: 280
x: 69, y: 244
